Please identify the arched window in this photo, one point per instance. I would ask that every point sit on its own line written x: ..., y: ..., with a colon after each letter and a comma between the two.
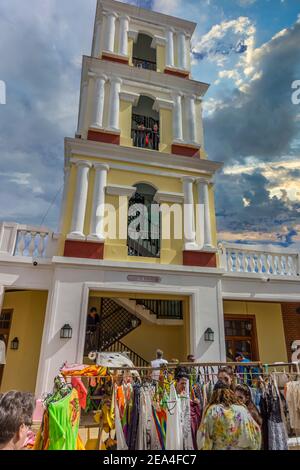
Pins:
x: 143, y: 223
x: 144, y: 56
x: 145, y: 124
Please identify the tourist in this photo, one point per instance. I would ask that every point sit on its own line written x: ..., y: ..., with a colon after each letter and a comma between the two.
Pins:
x: 243, y: 393
x: 225, y: 375
x: 93, y: 319
x: 227, y: 424
x: 191, y: 358
x: 182, y: 380
x: 16, y: 411
x: 158, y: 362
x: 155, y: 137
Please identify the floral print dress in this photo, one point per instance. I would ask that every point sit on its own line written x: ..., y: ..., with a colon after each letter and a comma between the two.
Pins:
x: 230, y: 428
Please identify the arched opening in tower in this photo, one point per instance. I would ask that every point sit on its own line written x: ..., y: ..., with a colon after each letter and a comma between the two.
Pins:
x: 145, y: 124
x: 144, y: 56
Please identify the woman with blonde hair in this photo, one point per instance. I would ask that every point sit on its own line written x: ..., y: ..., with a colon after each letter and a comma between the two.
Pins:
x: 227, y: 424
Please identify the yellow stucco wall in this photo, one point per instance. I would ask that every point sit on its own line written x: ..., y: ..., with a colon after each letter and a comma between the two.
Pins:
x: 116, y: 249
x: 147, y: 338
x: 269, y: 325
x: 160, y: 58
x: 21, y: 367
x: 125, y: 123
x: 166, y: 131
x: 130, y: 50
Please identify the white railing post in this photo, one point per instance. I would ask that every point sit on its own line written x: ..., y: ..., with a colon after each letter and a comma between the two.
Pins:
x: 223, y: 256
x: 8, y: 238
x: 257, y: 260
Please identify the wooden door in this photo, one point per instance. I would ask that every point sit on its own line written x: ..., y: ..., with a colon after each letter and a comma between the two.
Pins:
x: 5, y: 325
x: 241, y: 336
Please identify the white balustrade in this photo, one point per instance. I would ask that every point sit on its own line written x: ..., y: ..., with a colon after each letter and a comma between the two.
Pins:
x: 32, y: 242
x: 247, y: 259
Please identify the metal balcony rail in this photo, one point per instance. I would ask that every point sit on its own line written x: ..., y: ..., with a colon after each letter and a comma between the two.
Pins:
x: 144, y: 64
x: 250, y: 259
x: 163, y: 309
x: 147, y: 139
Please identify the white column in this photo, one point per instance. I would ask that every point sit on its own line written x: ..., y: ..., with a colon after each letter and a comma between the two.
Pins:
x: 80, y: 200
x: 170, y: 49
x: 67, y: 171
x: 177, y: 118
x: 181, y: 43
x: 189, y: 217
x: 204, y: 212
x: 98, y: 106
x: 191, y: 118
x: 2, y: 292
x: 114, y: 104
x: 97, y: 48
x: 82, y: 110
x: 97, y: 222
x: 110, y: 31
x: 123, y: 35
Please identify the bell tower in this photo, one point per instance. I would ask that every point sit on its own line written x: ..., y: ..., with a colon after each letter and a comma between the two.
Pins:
x: 139, y: 139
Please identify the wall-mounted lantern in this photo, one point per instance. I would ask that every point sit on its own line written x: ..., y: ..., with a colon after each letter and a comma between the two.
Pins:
x: 209, y: 335
x: 14, y: 344
x: 66, y: 332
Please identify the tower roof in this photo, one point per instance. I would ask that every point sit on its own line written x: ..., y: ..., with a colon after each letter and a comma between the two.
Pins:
x: 145, y: 15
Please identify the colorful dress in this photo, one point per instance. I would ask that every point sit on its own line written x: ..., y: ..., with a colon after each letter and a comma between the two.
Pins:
x: 64, y: 417
x: 230, y: 428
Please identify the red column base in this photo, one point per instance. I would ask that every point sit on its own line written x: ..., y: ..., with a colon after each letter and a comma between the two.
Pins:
x: 185, y: 151
x: 200, y: 258
x: 82, y: 249
x: 107, y: 137
x: 177, y: 73
x: 115, y: 58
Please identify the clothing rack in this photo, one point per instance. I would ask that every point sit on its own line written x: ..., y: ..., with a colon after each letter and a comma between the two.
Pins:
x: 202, y: 364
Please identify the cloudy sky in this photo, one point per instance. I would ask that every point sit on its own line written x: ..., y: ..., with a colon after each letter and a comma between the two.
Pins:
x: 248, y: 50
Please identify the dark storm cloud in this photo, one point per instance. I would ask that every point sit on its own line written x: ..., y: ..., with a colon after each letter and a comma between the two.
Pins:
x: 262, y: 121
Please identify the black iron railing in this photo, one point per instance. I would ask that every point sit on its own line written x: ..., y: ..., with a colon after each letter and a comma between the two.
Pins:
x: 164, y: 309
x: 145, y: 138
x: 147, y: 247
x: 144, y: 64
x: 144, y: 237
x: 115, y: 323
x: 120, y: 347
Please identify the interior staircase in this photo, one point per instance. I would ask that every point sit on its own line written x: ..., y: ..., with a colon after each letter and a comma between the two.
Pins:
x: 121, y: 316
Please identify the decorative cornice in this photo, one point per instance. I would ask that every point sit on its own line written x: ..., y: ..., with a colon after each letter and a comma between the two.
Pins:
x: 129, y: 97
x: 133, y: 35
x: 165, y: 82
x: 162, y: 104
x: 148, y: 16
x: 161, y: 196
x: 120, y: 190
x: 158, y: 41
x: 135, y: 155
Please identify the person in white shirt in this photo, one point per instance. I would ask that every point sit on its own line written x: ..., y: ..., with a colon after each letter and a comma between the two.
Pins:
x: 2, y: 350
x: 158, y: 362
